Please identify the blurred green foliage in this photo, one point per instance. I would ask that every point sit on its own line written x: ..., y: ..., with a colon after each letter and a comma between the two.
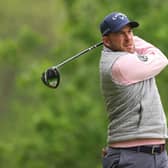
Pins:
x: 45, y: 128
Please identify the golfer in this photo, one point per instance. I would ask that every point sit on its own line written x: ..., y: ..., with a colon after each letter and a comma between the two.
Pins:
x: 137, y: 128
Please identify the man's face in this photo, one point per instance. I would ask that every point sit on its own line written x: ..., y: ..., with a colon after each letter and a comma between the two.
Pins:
x: 120, y: 41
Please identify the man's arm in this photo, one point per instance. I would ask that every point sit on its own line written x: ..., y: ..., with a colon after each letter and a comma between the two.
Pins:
x: 145, y: 63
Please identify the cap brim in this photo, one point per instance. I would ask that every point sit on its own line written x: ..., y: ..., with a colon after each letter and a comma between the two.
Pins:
x: 133, y: 24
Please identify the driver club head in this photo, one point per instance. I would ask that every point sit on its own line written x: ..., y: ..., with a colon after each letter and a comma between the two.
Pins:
x: 51, y: 77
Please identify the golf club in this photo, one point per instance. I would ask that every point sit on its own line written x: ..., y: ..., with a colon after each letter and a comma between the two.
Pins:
x: 51, y: 77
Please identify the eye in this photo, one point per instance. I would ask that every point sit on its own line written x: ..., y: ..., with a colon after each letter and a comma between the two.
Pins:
x: 121, y: 33
x: 130, y: 31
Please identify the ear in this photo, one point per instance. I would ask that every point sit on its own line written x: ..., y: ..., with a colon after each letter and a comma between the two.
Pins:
x: 106, y: 41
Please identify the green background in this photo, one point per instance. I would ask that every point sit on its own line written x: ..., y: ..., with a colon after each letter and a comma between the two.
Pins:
x: 66, y: 127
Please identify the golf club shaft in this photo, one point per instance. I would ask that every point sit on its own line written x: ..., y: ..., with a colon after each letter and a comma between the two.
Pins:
x: 77, y: 55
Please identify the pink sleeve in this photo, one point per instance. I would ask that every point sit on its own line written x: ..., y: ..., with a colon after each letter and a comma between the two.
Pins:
x: 147, y: 62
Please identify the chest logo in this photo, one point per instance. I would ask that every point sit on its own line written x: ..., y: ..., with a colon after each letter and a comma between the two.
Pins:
x: 143, y: 58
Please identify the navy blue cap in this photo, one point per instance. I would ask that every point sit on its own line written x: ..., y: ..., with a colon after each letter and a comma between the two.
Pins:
x: 114, y: 22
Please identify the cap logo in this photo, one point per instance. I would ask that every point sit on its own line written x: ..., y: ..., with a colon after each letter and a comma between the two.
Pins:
x: 119, y: 16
